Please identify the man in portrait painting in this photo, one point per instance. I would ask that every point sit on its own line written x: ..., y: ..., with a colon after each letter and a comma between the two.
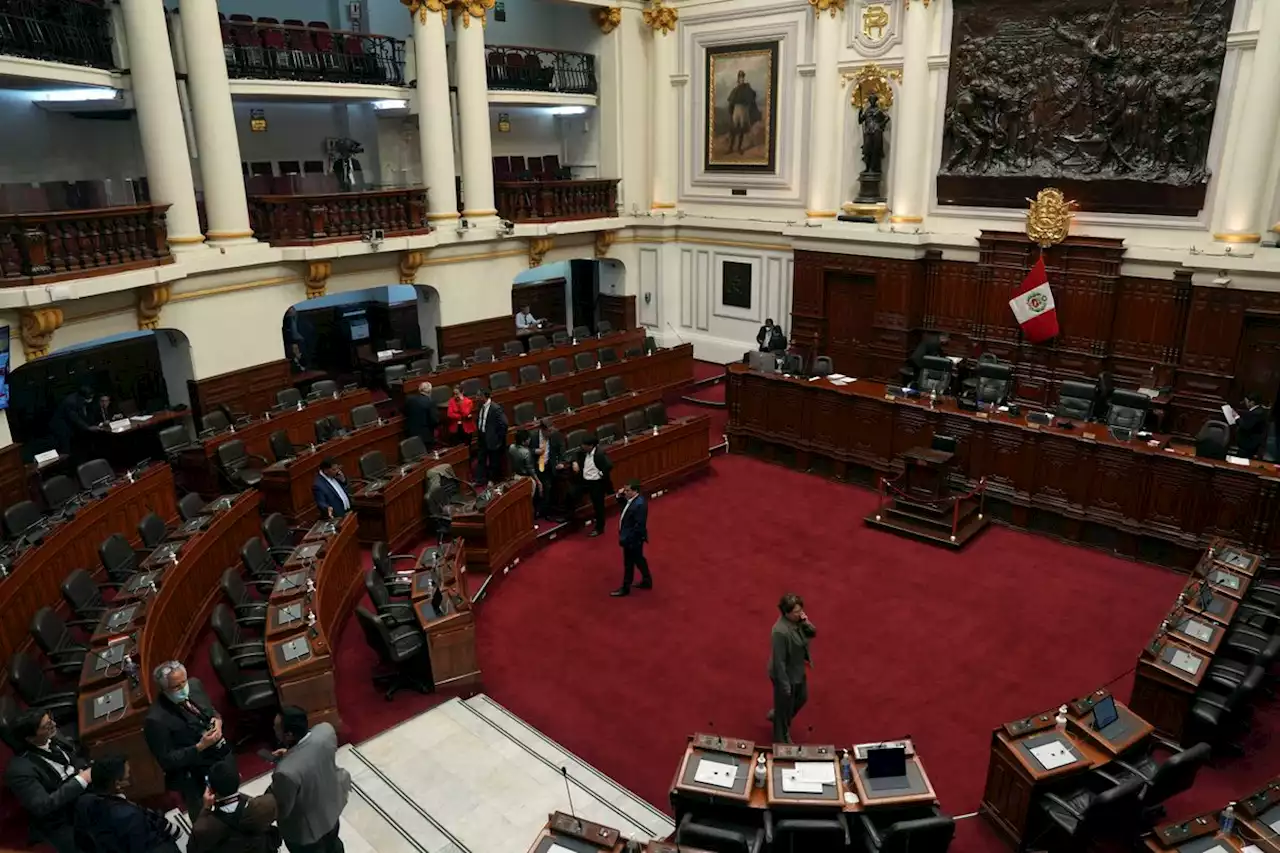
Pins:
x: 744, y: 112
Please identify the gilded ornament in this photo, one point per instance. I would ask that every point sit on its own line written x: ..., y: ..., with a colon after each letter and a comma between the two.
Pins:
x: 906, y: 4
x: 538, y: 248
x: 874, y: 19
x: 422, y: 8
x: 409, y: 264
x: 873, y: 80
x: 38, y: 326
x: 318, y: 278
x: 604, y: 240
x: 660, y: 17
x: 1049, y: 218
x: 151, y: 300
x: 832, y: 6
x: 468, y: 9
x: 607, y: 18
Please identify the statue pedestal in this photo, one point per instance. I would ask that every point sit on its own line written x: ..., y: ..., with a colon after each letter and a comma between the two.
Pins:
x: 869, y: 188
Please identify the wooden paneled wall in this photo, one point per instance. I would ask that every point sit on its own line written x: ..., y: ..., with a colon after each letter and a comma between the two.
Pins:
x: 1208, y: 344
x: 251, y: 390
x: 546, y: 298
x: 618, y: 310
x: 463, y: 338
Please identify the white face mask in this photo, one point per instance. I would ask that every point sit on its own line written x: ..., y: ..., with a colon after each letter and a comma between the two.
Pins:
x: 180, y: 695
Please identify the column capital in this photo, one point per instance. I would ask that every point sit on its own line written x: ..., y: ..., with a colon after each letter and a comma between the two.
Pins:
x: 607, y: 18
x: 468, y: 9
x: 38, y: 326
x: 832, y: 6
x: 422, y: 8
x: 605, y: 240
x: 151, y: 299
x: 660, y: 17
x: 410, y: 262
x: 538, y: 248
x: 317, y: 280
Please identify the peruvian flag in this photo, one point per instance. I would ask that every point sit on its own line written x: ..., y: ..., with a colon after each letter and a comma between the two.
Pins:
x: 1033, y: 307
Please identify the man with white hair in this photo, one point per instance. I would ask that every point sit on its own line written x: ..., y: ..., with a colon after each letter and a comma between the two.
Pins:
x: 421, y: 415
x: 184, y: 733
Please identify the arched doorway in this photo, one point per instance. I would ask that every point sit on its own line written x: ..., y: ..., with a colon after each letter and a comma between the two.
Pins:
x: 575, y: 293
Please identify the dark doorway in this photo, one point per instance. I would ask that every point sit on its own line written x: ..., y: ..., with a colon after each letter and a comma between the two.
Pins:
x: 850, y: 309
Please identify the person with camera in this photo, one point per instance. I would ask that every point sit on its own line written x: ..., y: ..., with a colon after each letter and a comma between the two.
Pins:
x: 232, y: 822
x: 184, y: 733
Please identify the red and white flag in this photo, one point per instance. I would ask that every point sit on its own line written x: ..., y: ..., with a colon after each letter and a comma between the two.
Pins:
x: 1033, y: 307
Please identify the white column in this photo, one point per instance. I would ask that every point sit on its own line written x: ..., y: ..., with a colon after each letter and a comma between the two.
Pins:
x: 662, y: 20
x: 910, y: 128
x: 164, y: 143
x: 435, y: 115
x: 1245, y: 193
x: 217, y: 145
x: 473, y: 113
x: 824, y: 133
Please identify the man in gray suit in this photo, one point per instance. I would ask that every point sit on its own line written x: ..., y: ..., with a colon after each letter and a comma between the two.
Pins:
x: 789, y: 642
x: 311, y: 790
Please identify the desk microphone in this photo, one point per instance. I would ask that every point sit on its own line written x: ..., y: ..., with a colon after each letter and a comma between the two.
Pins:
x: 564, y: 771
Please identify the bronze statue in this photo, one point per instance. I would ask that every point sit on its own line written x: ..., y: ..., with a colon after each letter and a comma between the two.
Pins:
x: 874, y: 122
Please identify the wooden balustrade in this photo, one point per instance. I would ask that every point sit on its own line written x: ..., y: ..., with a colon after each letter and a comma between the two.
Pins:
x: 72, y: 31
x: 552, y: 201
x: 313, y: 219
x: 36, y: 248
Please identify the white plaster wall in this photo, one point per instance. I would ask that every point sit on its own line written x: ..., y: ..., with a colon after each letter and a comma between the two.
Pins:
x: 39, y: 145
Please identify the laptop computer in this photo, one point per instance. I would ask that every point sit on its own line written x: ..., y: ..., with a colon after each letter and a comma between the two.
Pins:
x: 888, y: 767
x: 1105, y: 713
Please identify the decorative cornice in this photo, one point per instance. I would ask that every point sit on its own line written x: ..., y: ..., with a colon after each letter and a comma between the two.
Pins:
x: 538, y: 248
x: 468, y: 9
x: 38, y: 326
x: 409, y: 264
x: 151, y: 300
x: 317, y: 279
x: 422, y: 8
x: 906, y: 4
x: 607, y: 18
x: 604, y: 240
x: 832, y: 6
x: 660, y: 17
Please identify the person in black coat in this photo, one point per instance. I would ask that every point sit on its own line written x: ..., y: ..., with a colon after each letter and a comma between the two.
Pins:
x: 1251, y: 428
x: 592, y: 474
x: 46, y: 775
x: 421, y: 416
x: 71, y: 419
x: 109, y: 823
x: 547, y: 446
x: 770, y: 337
x: 184, y: 733
x: 491, y: 437
x: 633, y: 532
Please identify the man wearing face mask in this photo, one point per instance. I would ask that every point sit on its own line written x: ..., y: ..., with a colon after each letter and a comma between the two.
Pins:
x: 184, y: 734
x: 46, y: 775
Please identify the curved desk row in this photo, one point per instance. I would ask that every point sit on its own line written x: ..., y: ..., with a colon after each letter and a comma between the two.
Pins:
x: 391, y: 509
x: 665, y: 368
x: 438, y: 590
x: 155, y: 629
x: 39, y: 572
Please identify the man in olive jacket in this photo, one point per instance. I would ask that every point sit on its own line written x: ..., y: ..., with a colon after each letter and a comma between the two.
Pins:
x: 789, y: 641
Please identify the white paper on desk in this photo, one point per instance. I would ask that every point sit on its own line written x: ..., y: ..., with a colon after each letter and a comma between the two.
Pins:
x: 141, y: 419
x: 821, y: 772
x: 1238, y: 460
x: 792, y: 783
x: 556, y: 848
x: 46, y: 457
x: 1252, y: 848
x: 119, y: 425
x: 1053, y: 755
x: 716, y: 773
x: 1276, y: 825
x: 1230, y: 414
x: 835, y: 377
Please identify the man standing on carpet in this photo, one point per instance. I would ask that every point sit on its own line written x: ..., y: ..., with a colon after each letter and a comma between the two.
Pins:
x: 633, y: 532
x: 787, y: 661
x: 593, y: 478
x: 311, y: 790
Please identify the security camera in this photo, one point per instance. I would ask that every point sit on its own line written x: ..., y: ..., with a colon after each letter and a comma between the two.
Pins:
x: 506, y: 227
x: 374, y: 238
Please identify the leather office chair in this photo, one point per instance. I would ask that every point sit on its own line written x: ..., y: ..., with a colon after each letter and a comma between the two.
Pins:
x: 281, y: 447
x: 607, y: 355
x: 64, y: 651
x: 394, y: 613
x: 385, y: 564
x: 279, y: 535
x: 412, y: 449
x: 483, y: 355
x: 95, y: 473
x: 152, y: 530
x: 1084, y: 816
x: 573, y: 441
x: 327, y: 428
x: 584, y: 361
x: 538, y: 342
x: 393, y: 374
x: 450, y: 361
x: 935, y: 375
x: 1127, y: 410
x: 499, y: 381
x: 615, y: 386
x: 236, y: 465
x: 440, y: 395
x: 995, y: 381
x: 633, y: 352
x: 650, y: 345
x: 809, y: 833
x: 324, y: 388
x: 403, y: 649
x: 1227, y: 674
x: 373, y: 465
x: 919, y: 835
x: 655, y: 414
x: 245, y: 649
x: 9, y: 713
x: 471, y: 387
x: 581, y: 332
x: 190, y: 506
x: 822, y: 366
x: 556, y: 404
x: 793, y: 363
x: 420, y: 365
x: 1213, y: 440
x: 250, y: 692
x: 633, y: 423
x: 1218, y: 719
x: 1075, y: 399
x: 84, y: 596
x: 559, y: 338
x: 603, y: 328
x: 764, y: 362
x: 119, y: 558
x: 592, y: 396
x: 23, y: 519
x: 718, y: 835
x: 259, y: 562
x: 58, y: 491
x: 530, y: 374
x: 214, y: 422
x: 1162, y: 779
x: 607, y: 433
x: 512, y: 348
x: 288, y: 398
x: 249, y: 610
x: 362, y: 416
x: 524, y: 413
x: 556, y: 367
x: 173, y: 440
x: 37, y: 690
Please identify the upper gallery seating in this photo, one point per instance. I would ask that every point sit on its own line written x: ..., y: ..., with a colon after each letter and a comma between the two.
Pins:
x: 292, y: 50
x: 540, y: 70
x: 72, y: 31
x: 518, y: 168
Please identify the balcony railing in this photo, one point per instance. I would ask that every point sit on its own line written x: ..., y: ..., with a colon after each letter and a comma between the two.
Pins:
x: 313, y: 219
x: 268, y: 49
x: 36, y: 248
x: 550, y: 201
x: 537, y: 69
x: 73, y: 31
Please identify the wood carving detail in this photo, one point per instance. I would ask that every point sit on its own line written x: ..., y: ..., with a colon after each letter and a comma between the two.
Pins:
x: 38, y: 326
x: 410, y: 262
x: 151, y: 300
x: 317, y: 281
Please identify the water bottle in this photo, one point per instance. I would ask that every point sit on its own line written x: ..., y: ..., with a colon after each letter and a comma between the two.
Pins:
x: 1227, y: 822
x: 130, y: 670
x: 846, y: 770
x: 1061, y: 718
x: 933, y: 399
x: 761, y: 771
x: 299, y: 405
x: 311, y: 588
x: 152, y: 584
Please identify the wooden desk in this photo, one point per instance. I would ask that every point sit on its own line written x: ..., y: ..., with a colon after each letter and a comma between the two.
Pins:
x: 140, y: 440
x: 500, y: 532
x: 286, y: 485
x: 308, y: 681
x: 1156, y: 503
x: 1258, y: 814
x: 1201, y: 833
x: 393, y: 513
x: 665, y: 369
x: 918, y: 790
x: 562, y: 829
x: 446, y: 618
x: 199, y: 464
x: 609, y: 411
x: 175, y: 616
x: 39, y: 572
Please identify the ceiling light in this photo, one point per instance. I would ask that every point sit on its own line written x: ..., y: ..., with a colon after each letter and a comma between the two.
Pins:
x: 390, y: 105
x: 567, y: 111
x: 94, y: 94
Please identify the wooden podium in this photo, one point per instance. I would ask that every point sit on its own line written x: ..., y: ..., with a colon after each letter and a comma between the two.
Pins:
x: 920, y: 502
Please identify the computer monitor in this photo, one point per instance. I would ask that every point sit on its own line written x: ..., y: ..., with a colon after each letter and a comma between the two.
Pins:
x: 886, y: 761
x: 1105, y: 713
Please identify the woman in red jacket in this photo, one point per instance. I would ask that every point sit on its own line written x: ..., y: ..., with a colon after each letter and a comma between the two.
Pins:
x: 460, y: 417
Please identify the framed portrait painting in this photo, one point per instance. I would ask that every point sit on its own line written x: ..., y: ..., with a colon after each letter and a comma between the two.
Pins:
x: 742, y: 107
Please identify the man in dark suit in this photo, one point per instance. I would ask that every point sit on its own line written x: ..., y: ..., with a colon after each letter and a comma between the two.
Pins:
x: 46, y: 775
x: 330, y: 490
x: 1251, y: 428
x: 491, y: 437
x: 592, y: 475
x: 633, y: 532
x: 184, y: 733
x: 310, y: 788
x: 113, y: 824
x: 233, y: 822
x: 421, y: 417
x: 548, y: 453
x: 72, y: 419
x: 789, y: 654
x: 770, y: 337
